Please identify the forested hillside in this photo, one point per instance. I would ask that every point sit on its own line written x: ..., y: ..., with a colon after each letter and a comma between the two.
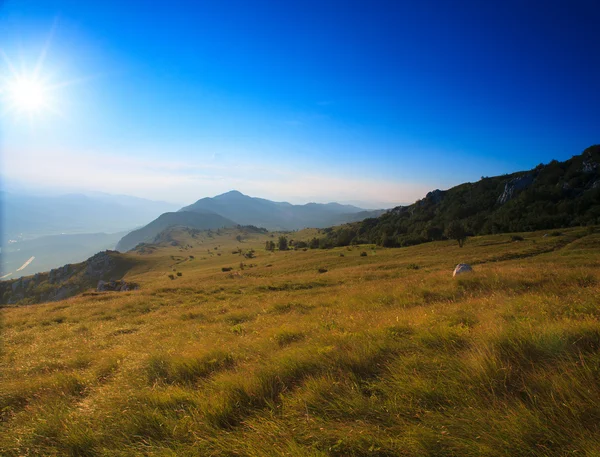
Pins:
x: 552, y: 196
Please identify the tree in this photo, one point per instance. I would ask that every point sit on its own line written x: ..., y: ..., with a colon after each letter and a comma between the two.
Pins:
x: 456, y: 231
x: 314, y: 243
x: 270, y: 245
x: 283, y: 243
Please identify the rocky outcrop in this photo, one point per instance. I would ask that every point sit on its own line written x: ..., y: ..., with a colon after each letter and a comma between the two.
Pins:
x: 589, y: 165
x: 115, y: 286
x: 100, y: 264
x: 515, y: 185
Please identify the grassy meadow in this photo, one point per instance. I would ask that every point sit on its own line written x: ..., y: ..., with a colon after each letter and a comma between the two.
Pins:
x: 316, y: 353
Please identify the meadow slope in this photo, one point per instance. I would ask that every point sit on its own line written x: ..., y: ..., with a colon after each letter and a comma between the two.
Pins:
x: 316, y: 353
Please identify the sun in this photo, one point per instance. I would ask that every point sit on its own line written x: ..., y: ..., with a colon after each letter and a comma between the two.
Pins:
x: 27, y: 95
x: 27, y: 89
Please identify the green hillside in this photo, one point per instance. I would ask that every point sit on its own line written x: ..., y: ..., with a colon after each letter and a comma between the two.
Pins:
x: 556, y: 195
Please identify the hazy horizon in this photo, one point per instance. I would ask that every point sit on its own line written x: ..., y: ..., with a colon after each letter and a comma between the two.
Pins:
x: 58, y: 192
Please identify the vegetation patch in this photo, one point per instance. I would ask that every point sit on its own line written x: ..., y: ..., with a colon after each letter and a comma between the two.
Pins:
x: 188, y: 370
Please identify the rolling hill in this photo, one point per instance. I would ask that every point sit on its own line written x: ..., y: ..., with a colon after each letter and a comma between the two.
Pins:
x: 197, y: 219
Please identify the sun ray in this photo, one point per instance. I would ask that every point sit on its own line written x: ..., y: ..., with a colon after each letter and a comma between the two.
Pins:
x: 41, y: 59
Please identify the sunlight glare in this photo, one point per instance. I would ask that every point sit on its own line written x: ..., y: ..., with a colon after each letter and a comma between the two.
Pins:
x: 27, y: 95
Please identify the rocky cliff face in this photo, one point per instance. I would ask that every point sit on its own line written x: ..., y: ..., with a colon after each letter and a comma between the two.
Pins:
x: 68, y: 280
x: 512, y: 187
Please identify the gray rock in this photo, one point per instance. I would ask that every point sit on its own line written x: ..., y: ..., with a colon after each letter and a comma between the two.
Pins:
x: 462, y: 268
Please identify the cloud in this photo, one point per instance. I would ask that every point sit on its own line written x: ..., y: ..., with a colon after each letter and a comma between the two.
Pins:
x: 189, y: 180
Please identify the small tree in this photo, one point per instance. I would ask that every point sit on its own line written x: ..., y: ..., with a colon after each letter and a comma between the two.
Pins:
x: 283, y: 243
x: 456, y: 231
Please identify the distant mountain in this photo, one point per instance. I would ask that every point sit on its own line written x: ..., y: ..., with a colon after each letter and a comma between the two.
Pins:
x: 29, y: 216
x: 198, y: 220
x: 556, y: 195
x: 271, y: 215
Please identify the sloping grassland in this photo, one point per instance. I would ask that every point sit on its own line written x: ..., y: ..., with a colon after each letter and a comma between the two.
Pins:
x: 380, y: 355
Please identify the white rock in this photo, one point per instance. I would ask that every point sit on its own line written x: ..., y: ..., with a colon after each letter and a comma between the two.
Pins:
x: 462, y: 268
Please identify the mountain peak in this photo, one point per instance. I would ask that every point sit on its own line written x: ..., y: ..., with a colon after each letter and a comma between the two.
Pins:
x: 231, y: 193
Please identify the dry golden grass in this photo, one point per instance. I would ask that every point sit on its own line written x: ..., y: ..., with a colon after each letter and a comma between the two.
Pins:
x: 382, y: 355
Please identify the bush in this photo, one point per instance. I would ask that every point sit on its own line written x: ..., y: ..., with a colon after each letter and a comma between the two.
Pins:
x: 516, y: 238
x: 363, y: 254
x: 179, y: 273
x: 322, y: 270
x: 226, y: 268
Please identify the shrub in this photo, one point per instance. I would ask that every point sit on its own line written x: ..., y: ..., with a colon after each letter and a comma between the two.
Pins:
x: 322, y: 270
x: 179, y: 273
x: 226, y: 268
x: 171, y: 277
x: 363, y: 254
x: 516, y: 238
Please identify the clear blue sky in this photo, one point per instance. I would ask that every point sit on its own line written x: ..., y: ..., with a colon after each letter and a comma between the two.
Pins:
x: 374, y: 101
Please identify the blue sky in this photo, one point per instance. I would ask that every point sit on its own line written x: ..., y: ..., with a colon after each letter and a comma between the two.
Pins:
x: 375, y: 101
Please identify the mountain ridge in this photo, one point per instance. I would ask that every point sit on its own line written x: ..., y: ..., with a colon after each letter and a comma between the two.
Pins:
x: 236, y: 208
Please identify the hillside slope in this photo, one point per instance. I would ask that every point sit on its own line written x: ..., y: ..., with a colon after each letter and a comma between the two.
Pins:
x: 197, y: 220
x: 66, y: 281
x: 316, y: 353
x: 556, y: 195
